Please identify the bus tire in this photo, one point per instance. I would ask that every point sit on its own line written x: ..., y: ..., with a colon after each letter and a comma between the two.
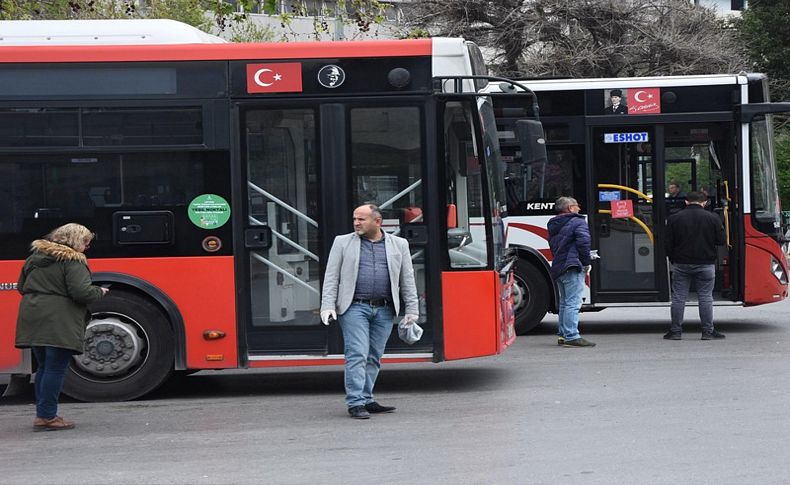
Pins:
x: 129, y: 350
x: 532, y: 301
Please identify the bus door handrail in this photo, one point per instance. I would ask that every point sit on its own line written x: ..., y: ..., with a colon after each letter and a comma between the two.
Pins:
x: 633, y: 218
x: 400, y: 194
x: 458, y: 89
x: 627, y: 189
x: 397, y: 196
x: 282, y: 204
x: 284, y: 272
x: 636, y: 220
x: 285, y: 239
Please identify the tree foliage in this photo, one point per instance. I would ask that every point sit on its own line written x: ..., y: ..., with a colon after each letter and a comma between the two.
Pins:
x: 361, y: 14
x: 230, y: 18
x: 763, y: 29
x: 188, y: 11
x: 588, y: 38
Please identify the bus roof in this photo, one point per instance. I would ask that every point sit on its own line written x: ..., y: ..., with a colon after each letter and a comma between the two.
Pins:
x: 217, y: 52
x: 102, y: 32
x: 629, y: 82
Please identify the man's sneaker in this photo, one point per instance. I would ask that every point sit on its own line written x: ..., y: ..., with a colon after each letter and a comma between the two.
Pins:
x: 578, y: 342
x: 560, y: 340
x: 672, y: 336
x: 712, y: 335
x: 358, y: 412
x: 375, y: 408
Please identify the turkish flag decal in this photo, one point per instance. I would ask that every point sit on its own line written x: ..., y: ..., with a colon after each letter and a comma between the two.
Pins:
x: 642, y: 101
x: 281, y: 77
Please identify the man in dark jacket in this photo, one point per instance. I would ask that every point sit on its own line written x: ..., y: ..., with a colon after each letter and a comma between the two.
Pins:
x: 691, y: 239
x: 569, y: 240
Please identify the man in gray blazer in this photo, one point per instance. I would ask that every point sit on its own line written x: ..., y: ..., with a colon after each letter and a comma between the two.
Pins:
x: 367, y: 273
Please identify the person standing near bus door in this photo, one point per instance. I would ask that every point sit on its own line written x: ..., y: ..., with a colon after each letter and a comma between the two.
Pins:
x: 674, y: 190
x: 691, y: 238
x: 366, y: 274
x: 569, y: 240
x: 56, y: 288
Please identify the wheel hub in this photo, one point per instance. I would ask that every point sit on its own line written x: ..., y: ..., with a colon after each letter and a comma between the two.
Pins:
x: 520, y: 295
x: 111, y: 347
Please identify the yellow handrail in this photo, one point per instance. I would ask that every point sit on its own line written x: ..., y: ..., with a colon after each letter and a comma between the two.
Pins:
x: 633, y: 191
x: 627, y: 189
x: 638, y: 221
x: 727, y: 214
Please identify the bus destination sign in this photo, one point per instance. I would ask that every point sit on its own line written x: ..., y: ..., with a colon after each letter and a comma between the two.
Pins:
x: 625, y: 137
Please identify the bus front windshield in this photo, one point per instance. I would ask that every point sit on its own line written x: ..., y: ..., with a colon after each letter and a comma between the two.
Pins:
x: 766, y: 208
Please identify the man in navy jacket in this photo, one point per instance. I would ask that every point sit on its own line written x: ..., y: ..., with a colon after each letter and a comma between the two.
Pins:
x: 569, y: 240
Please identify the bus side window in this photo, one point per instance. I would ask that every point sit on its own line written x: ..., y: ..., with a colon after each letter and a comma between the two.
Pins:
x: 562, y: 173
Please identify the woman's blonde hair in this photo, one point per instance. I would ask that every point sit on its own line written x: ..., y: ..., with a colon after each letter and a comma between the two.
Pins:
x: 73, y: 235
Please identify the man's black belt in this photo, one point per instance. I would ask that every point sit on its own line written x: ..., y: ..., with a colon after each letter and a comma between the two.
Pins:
x: 373, y: 302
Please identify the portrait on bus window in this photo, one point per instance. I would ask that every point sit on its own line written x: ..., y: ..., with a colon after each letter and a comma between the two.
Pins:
x: 615, y: 102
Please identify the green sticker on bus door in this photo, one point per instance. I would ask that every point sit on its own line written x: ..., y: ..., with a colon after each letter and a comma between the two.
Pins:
x: 209, y: 211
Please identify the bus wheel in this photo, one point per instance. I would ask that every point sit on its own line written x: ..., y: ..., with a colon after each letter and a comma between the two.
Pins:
x: 129, y: 349
x: 531, y: 297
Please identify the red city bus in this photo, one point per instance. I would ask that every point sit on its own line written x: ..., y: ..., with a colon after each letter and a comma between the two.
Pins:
x: 216, y: 177
x: 702, y: 133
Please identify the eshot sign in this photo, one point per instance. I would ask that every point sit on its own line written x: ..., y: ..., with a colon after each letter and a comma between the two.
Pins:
x: 625, y: 137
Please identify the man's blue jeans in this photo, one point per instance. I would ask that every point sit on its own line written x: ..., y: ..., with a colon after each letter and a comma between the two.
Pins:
x: 52, y: 365
x: 366, y: 330
x: 571, y: 286
x: 704, y: 276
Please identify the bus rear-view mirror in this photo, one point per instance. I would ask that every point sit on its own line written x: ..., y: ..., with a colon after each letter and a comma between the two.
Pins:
x: 532, y: 140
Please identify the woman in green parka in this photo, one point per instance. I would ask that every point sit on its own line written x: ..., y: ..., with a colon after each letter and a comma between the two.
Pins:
x: 56, y: 288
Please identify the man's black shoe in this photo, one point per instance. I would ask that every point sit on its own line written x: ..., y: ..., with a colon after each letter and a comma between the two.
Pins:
x: 713, y: 335
x: 672, y: 336
x: 578, y: 342
x: 359, y: 412
x: 375, y: 408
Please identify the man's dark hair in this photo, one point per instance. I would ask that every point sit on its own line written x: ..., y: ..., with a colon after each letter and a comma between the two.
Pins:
x: 697, y: 197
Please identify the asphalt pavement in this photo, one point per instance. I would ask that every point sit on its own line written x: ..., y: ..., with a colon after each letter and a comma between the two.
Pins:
x: 636, y: 409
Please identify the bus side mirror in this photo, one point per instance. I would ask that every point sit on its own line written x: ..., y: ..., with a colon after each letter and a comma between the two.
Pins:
x: 532, y: 141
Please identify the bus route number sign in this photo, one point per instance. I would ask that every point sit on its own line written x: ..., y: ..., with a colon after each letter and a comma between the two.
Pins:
x: 625, y: 137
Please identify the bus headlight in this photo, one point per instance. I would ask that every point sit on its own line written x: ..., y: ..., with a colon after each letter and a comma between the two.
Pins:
x: 778, y: 271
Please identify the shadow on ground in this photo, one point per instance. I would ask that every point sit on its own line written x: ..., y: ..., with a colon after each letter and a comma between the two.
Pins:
x: 212, y: 385
x: 659, y: 326
x: 416, y: 378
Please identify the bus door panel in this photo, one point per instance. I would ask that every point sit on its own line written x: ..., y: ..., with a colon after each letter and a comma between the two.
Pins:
x: 278, y: 148
x: 700, y: 157
x: 387, y: 162
x: 475, y: 321
x: 623, y: 217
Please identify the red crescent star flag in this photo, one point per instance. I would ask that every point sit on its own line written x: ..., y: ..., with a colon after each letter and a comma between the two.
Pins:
x: 642, y: 101
x: 281, y: 77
